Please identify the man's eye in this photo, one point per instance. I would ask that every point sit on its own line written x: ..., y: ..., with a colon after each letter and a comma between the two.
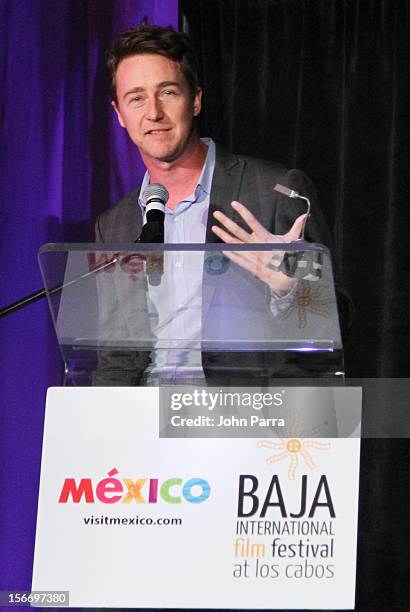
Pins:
x: 168, y: 92
x: 137, y: 101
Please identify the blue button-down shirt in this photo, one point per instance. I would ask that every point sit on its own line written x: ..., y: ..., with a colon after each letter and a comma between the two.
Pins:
x: 177, y: 301
x: 188, y: 220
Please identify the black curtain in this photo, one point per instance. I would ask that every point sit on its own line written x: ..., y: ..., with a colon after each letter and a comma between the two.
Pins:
x: 322, y: 85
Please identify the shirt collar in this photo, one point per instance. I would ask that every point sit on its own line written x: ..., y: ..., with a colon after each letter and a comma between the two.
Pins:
x: 205, y: 179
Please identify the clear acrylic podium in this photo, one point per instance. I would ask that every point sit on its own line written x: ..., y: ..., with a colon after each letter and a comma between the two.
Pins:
x: 144, y: 486
x: 130, y: 315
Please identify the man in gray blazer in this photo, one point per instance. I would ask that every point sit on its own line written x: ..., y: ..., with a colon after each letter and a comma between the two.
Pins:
x: 236, y: 178
x: 214, y: 195
x: 156, y: 96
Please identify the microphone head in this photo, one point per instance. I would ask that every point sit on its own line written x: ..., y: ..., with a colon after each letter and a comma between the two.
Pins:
x: 155, y: 197
x: 291, y: 193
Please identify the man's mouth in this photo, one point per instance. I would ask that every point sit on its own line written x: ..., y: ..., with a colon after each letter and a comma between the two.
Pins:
x: 156, y: 131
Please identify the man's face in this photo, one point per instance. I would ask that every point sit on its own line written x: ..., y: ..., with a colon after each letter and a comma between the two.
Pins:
x: 155, y: 106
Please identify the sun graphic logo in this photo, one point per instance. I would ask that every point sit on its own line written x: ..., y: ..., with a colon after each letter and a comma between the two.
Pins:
x: 309, y: 299
x: 295, y: 448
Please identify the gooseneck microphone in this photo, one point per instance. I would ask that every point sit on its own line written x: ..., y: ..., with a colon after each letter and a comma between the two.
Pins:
x: 303, y: 264
x: 291, y: 193
x: 154, y: 199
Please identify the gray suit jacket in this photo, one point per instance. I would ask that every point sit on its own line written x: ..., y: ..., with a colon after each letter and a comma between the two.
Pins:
x: 251, y: 182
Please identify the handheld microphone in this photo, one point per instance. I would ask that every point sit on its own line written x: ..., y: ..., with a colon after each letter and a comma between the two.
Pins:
x: 154, y: 198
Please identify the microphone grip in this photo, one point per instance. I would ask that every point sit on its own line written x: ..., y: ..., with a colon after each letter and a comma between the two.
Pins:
x: 155, y: 268
x: 152, y: 232
x: 155, y: 216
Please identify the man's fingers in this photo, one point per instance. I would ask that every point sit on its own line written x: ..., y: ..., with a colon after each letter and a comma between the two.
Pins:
x: 259, y: 233
x: 248, y: 217
x: 233, y: 227
x: 224, y: 236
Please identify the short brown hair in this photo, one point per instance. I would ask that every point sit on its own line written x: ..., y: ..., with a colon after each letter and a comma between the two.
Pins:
x: 153, y: 39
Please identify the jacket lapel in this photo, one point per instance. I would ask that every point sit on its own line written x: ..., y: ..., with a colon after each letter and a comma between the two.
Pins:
x: 225, y: 188
x: 226, y: 184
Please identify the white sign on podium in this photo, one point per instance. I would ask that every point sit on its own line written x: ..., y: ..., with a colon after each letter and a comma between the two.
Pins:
x: 129, y: 519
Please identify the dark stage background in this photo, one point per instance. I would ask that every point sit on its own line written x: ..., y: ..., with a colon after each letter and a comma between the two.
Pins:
x: 321, y: 85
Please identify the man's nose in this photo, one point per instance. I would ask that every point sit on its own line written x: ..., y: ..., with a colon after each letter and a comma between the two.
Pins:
x: 154, y: 110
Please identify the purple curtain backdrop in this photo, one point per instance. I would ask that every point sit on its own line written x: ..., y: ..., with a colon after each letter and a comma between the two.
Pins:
x: 63, y: 160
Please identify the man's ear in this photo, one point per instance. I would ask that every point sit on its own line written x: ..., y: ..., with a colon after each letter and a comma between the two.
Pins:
x: 119, y: 117
x: 197, y: 102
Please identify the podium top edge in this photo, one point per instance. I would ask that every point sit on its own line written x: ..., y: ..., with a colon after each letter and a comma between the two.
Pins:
x: 298, y: 245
